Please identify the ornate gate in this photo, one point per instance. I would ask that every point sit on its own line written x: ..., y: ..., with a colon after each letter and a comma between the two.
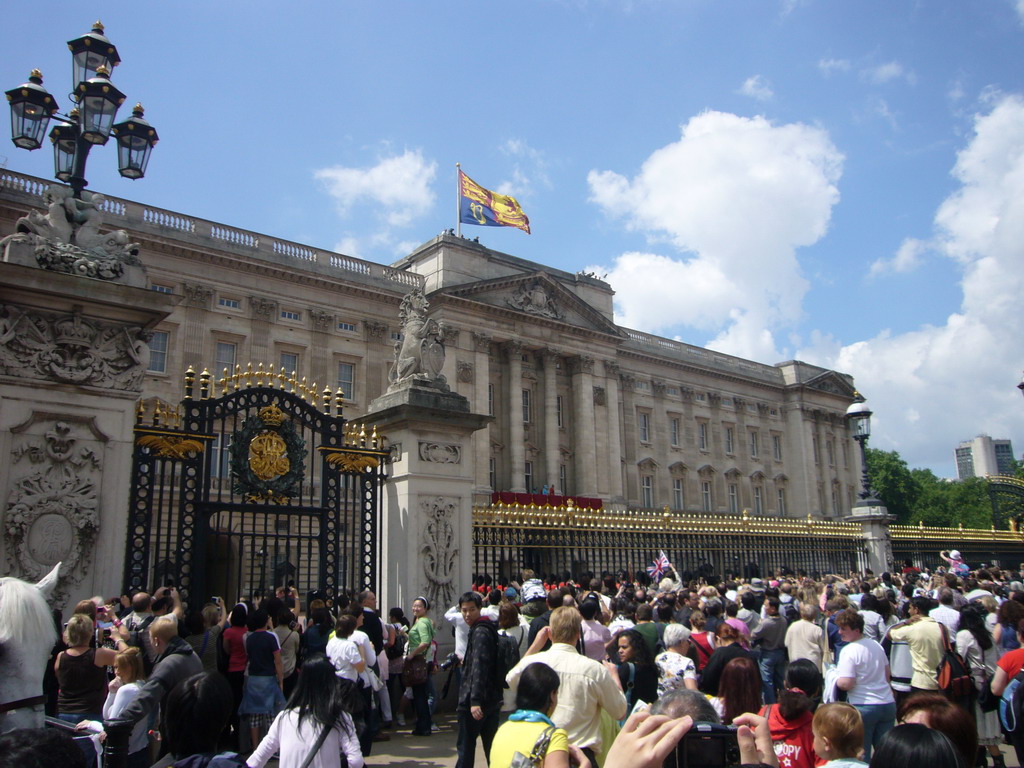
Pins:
x: 260, y: 487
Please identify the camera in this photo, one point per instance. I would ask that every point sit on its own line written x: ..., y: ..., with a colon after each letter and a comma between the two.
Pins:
x: 706, y: 745
x: 450, y: 661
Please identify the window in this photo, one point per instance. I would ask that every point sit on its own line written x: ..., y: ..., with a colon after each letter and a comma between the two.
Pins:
x: 705, y: 492
x: 160, y: 288
x: 563, y: 488
x: 158, y: 352
x: 755, y: 442
x: 814, y: 449
x: 730, y: 435
x: 290, y: 362
x: 492, y: 471
x: 526, y: 406
x: 702, y: 435
x: 490, y: 399
x: 224, y: 356
x: 646, y: 491
x: 220, y: 456
x: 558, y: 411
x: 528, y: 476
x: 290, y: 314
x: 347, y: 380
x: 224, y: 301
x: 644, y: 426
x: 758, y: 503
x: 344, y: 326
x: 734, y: 498
x: 831, y: 452
x: 780, y: 497
x: 777, y: 447
x: 674, y: 432
x: 396, y: 336
x: 677, y: 493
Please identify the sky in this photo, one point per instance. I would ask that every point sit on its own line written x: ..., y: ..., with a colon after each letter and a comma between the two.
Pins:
x: 836, y: 182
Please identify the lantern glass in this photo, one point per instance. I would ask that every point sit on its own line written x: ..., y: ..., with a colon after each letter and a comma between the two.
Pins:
x: 64, y: 148
x: 31, y: 107
x: 90, y: 52
x: 98, y: 101
x: 135, y: 141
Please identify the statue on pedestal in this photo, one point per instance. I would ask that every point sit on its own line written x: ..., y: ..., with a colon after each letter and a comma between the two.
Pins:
x: 419, y: 353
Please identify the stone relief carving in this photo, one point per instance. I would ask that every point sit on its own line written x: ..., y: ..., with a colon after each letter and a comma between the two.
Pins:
x: 611, y: 369
x: 441, y: 453
x: 67, y: 237
x: 321, y: 320
x: 395, y: 450
x: 375, y: 331
x: 419, y: 354
x: 52, y: 512
x: 440, y: 549
x: 450, y: 336
x: 262, y: 308
x: 581, y: 364
x: 600, y: 397
x: 533, y: 298
x: 197, y: 295
x: 72, y: 349
x: 658, y: 387
x: 464, y: 371
x: 481, y: 342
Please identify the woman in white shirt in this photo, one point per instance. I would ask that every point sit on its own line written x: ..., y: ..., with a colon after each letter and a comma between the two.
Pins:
x: 121, y: 691
x: 319, y: 702
x: 975, y: 645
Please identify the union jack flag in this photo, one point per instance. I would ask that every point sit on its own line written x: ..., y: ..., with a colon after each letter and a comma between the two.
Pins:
x: 659, y: 567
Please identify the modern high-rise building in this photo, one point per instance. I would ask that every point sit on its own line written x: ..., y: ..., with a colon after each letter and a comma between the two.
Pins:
x: 983, y: 456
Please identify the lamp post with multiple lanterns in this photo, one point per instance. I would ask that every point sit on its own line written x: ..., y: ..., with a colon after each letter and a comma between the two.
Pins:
x: 90, y: 122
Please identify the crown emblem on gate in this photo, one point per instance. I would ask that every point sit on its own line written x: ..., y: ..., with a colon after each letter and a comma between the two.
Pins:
x: 272, y: 415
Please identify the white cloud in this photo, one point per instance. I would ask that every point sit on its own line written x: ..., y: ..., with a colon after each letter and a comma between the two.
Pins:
x: 530, y: 169
x: 757, y: 87
x: 887, y: 72
x: 828, y: 66
x: 1020, y: 9
x: 907, y: 258
x: 399, y: 185
x: 736, y: 196
x: 959, y: 377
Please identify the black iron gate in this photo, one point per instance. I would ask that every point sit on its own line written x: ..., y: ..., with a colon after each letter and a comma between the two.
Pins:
x: 261, y: 487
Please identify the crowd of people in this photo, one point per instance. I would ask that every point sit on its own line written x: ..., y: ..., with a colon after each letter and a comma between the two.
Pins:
x: 603, y: 670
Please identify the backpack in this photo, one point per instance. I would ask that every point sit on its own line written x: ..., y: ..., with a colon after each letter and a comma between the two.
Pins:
x: 1010, y: 704
x: 135, y: 640
x: 508, y: 656
x: 397, y: 649
x: 954, y: 676
x: 790, y: 612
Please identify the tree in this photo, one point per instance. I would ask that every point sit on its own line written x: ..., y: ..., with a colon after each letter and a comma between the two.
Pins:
x: 891, y: 479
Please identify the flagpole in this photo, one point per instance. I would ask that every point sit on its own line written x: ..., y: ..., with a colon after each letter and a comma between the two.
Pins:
x: 458, y: 208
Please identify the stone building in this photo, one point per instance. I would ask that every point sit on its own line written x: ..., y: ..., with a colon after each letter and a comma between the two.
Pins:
x: 578, y: 402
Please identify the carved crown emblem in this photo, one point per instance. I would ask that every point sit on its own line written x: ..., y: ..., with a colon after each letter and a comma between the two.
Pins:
x: 272, y: 416
x: 72, y: 331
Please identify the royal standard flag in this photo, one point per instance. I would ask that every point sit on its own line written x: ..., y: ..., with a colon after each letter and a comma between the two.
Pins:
x: 488, y: 209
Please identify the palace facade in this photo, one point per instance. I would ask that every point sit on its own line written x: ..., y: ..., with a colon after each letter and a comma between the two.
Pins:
x: 578, y: 402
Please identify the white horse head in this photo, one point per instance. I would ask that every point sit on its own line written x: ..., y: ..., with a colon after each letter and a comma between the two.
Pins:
x: 27, y: 635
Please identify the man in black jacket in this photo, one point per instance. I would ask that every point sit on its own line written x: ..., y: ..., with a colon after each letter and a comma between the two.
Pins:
x: 479, y: 700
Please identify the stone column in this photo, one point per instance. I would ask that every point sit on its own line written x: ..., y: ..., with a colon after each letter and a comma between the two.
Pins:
x: 549, y: 359
x: 583, y: 425
x: 659, y: 444
x: 632, y: 489
x: 514, y: 411
x: 611, y: 374
x: 197, y: 301
x: 482, y: 437
x: 320, y: 349
x: 264, y: 311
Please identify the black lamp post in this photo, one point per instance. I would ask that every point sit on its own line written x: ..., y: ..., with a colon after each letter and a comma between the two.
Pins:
x: 90, y: 122
x: 858, y: 416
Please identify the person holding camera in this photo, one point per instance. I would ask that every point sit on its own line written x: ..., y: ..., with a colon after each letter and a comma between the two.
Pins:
x: 81, y: 672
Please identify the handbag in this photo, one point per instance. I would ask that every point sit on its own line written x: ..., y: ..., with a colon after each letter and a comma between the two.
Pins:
x: 415, y: 671
x: 536, y: 756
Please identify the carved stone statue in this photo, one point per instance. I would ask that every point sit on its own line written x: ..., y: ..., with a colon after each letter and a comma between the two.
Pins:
x: 67, y: 237
x: 419, y: 354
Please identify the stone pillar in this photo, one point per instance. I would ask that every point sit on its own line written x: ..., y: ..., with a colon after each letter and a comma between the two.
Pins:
x: 264, y: 312
x: 549, y: 359
x: 514, y: 412
x: 583, y: 425
x: 197, y: 299
x: 611, y: 377
x: 320, y: 365
x: 632, y: 488
x: 874, y: 519
x: 482, y: 438
x: 427, y: 525
x: 73, y: 353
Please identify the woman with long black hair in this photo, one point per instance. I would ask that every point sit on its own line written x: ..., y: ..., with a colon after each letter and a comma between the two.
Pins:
x: 320, y: 701
x: 980, y: 653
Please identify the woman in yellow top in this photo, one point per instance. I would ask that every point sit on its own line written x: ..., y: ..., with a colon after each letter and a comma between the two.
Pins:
x: 535, y: 698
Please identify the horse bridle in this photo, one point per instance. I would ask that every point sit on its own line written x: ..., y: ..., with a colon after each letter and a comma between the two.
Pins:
x: 32, y: 701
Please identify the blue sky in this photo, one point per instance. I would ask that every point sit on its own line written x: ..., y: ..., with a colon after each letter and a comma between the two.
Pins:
x: 837, y: 182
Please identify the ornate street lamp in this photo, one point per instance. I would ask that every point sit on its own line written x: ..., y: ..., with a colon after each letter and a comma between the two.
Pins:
x: 1021, y: 385
x: 90, y: 122
x: 858, y: 416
